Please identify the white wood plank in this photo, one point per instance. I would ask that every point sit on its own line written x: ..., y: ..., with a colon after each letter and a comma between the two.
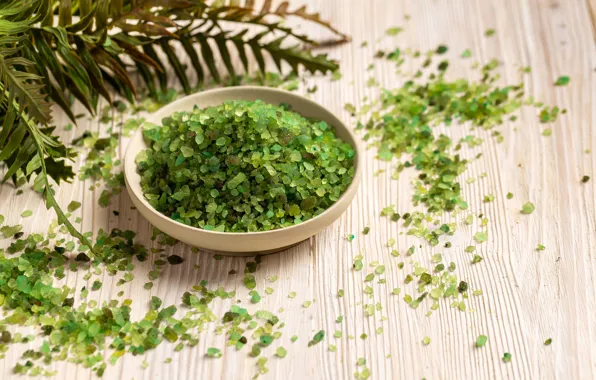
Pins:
x: 528, y: 295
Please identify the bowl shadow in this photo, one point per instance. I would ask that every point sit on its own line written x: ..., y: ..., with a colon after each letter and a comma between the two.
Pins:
x: 199, y: 265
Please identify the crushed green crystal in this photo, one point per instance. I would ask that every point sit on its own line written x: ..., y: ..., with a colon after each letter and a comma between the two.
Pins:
x: 317, y: 338
x: 527, y: 208
x: 506, y: 357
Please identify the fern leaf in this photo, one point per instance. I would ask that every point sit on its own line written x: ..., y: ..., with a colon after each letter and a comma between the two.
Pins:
x: 283, y: 10
x: 42, y: 181
x: 65, y: 12
x: 25, y: 152
x: 256, y: 51
x: 106, y: 60
x: 7, y: 123
x: 175, y: 62
x: 194, y: 58
x: 13, y: 27
x: 145, y: 29
x: 22, y: 86
x: 296, y: 56
x: 161, y: 74
x: 85, y: 22
x: 241, y: 47
x: 17, y: 135
x: 147, y: 77
x: 36, y: 145
x: 266, y: 8
x: 248, y: 13
x: 247, y: 16
x: 49, y: 58
x: 93, y: 69
x: 221, y: 40
x: 130, y: 47
x: 208, y: 57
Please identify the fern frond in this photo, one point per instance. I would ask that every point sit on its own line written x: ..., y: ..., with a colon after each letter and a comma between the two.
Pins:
x: 26, y: 147
x: 295, y: 56
x: 42, y: 183
x: 23, y: 87
x: 283, y: 11
x: 23, y: 107
x: 83, y: 57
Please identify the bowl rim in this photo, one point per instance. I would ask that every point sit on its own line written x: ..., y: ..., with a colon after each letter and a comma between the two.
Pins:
x: 152, y: 118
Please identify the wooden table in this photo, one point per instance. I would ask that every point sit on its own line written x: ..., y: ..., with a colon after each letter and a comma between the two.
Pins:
x: 529, y: 295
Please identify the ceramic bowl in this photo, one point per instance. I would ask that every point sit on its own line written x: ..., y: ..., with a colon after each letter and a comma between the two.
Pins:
x: 241, y: 243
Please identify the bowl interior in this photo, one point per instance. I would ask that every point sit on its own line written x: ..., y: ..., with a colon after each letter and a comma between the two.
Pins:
x: 299, y: 104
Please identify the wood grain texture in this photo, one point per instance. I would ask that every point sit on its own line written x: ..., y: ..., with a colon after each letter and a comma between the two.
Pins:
x: 528, y: 295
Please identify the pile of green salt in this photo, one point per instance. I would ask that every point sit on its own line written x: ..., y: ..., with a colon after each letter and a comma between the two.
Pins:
x: 243, y: 166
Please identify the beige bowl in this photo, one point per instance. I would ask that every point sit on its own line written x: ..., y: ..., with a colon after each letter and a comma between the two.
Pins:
x: 241, y: 243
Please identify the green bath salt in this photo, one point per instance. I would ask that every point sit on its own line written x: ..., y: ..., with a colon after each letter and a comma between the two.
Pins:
x: 243, y: 166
